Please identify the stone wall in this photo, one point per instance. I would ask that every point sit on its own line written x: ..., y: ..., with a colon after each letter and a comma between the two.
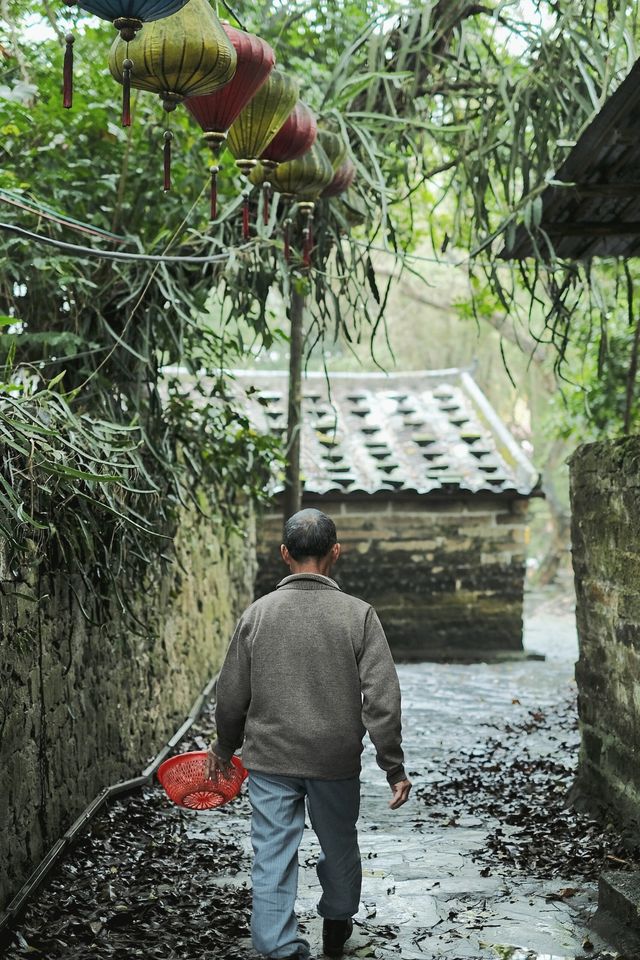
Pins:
x: 446, y: 577
x: 83, y: 707
x: 605, y: 495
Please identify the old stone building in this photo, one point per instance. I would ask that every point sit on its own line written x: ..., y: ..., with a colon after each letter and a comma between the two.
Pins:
x: 429, y: 492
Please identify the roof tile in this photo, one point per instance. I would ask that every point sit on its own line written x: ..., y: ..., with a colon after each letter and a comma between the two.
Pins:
x: 423, y: 432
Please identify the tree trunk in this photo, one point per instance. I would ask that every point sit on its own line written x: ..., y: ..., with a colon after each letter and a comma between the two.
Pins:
x: 293, y: 490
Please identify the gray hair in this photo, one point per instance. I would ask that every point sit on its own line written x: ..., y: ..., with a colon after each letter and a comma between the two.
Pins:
x: 309, y: 533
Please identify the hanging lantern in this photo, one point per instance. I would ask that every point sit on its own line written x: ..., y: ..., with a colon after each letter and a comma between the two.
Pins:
x: 127, y: 16
x: 342, y: 180
x: 215, y: 112
x: 258, y: 124
x: 334, y: 147
x: 294, y: 138
x: 184, y: 55
x: 304, y: 178
x: 261, y: 119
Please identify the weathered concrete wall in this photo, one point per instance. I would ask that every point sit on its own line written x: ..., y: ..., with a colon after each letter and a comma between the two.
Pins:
x: 446, y: 577
x: 82, y: 707
x: 605, y: 496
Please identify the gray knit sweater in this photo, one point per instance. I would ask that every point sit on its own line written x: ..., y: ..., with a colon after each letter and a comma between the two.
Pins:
x: 309, y: 670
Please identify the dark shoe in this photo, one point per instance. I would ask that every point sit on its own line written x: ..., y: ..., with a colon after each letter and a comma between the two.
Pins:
x: 335, y: 934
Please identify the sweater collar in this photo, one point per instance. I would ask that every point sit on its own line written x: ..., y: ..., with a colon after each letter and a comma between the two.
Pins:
x: 295, y: 578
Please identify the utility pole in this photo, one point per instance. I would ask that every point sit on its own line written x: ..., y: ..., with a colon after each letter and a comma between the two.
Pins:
x: 293, y: 488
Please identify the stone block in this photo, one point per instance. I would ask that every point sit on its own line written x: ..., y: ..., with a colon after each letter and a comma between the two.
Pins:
x: 619, y: 895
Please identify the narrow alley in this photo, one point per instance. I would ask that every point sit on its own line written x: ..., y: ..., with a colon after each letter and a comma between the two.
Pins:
x: 486, y: 861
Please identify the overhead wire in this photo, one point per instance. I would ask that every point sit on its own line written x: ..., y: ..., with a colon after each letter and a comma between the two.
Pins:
x: 158, y: 261
x: 83, y: 251
x: 48, y: 213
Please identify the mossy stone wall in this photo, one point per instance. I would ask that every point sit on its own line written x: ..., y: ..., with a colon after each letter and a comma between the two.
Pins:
x: 605, y: 498
x: 82, y: 707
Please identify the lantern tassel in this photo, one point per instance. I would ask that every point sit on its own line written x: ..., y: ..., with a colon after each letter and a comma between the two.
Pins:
x: 67, y: 73
x: 127, y: 67
x: 266, y: 196
x: 287, y: 241
x: 307, y: 244
x: 168, y: 137
x: 245, y: 218
x: 214, y: 191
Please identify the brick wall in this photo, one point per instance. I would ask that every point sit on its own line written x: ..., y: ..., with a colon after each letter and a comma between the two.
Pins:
x: 84, y: 707
x: 605, y: 496
x: 446, y: 577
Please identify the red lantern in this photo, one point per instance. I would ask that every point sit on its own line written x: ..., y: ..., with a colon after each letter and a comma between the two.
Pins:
x: 342, y: 180
x: 296, y: 135
x: 215, y: 112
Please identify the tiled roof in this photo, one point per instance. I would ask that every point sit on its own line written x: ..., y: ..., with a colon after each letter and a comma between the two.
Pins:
x: 424, y: 432
x: 592, y: 206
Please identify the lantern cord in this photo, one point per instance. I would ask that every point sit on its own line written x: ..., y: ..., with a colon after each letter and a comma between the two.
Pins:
x: 235, y: 16
x: 246, y: 231
x: 80, y: 251
x: 168, y: 137
x: 307, y: 242
x: 67, y: 73
x: 127, y: 67
x: 214, y: 191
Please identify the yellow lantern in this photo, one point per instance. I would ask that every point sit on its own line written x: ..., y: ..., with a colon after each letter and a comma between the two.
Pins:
x: 187, y: 54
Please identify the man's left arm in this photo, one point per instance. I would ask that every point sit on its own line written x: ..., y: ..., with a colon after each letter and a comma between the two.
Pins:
x: 233, y: 696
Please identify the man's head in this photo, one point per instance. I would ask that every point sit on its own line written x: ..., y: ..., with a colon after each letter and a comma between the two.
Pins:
x: 310, y: 542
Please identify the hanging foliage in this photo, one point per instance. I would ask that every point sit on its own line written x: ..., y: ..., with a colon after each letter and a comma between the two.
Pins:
x: 453, y: 115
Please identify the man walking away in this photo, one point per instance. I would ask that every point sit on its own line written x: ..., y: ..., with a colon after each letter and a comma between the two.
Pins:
x: 307, y: 672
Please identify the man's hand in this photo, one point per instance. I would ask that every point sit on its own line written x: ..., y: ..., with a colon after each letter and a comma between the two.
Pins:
x: 214, y: 763
x: 400, y: 791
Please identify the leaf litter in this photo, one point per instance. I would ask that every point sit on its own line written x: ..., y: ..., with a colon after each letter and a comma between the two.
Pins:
x: 137, y: 886
x: 523, y: 793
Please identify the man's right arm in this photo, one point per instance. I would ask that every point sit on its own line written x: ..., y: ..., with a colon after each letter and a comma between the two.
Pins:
x: 233, y: 694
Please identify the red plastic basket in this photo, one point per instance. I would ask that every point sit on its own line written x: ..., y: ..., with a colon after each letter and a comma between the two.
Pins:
x: 184, y: 782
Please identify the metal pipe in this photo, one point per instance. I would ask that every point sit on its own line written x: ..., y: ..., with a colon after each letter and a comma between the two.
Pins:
x: 292, y: 500
x: 15, y: 907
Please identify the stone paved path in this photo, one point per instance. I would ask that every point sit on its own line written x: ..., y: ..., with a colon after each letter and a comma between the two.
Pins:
x: 424, y: 896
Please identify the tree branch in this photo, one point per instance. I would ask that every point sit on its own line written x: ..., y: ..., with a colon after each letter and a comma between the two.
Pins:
x: 500, y: 322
